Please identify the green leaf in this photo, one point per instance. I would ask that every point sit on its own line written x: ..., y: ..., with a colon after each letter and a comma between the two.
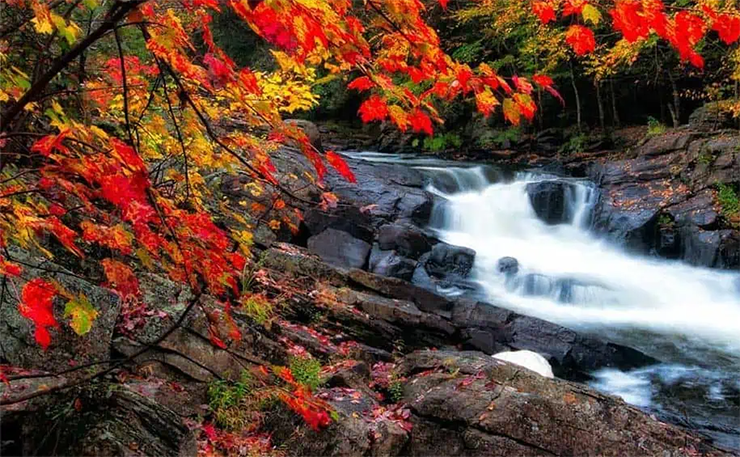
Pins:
x: 591, y: 14
x: 82, y: 312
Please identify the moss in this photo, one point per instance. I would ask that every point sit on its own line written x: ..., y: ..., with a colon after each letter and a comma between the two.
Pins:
x: 728, y: 201
x: 306, y: 371
x: 655, y: 127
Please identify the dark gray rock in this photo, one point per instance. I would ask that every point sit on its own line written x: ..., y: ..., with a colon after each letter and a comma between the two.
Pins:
x: 507, y: 265
x: 390, y: 263
x: 109, y: 420
x: 17, y: 343
x: 447, y: 260
x: 339, y: 248
x: 408, y: 240
x: 548, y: 199
x: 494, y: 408
x: 311, y: 131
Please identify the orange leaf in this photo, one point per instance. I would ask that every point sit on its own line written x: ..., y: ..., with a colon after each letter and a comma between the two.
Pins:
x: 120, y: 278
x: 544, y: 11
x: 581, y: 39
x: 361, y: 83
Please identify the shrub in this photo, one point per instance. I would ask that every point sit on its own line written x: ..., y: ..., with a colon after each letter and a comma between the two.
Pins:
x: 306, y: 371
x: 655, y: 127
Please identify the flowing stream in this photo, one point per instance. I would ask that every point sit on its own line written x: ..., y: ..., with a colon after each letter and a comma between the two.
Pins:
x: 687, y: 317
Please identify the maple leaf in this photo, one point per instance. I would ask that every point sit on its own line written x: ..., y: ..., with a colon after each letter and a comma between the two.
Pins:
x: 522, y: 85
x: 581, y: 39
x: 544, y: 11
x: 49, y: 143
x: 728, y: 28
x: 546, y: 83
x: 486, y: 102
x: 361, y: 83
x: 373, y: 109
x: 627, y: 18
x: 82, y: 314
x: 37, y: 304
x: 573, y: 7
x: 443, y: 3
x: 336, y: 161
x: 420, y: 122
x: 10, y: 269
x: 120, y: 278
x: 511, y: 111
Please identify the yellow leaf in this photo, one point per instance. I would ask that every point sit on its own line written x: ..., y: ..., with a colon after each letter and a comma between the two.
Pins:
x: 82, y: 313
x: 591, y: 14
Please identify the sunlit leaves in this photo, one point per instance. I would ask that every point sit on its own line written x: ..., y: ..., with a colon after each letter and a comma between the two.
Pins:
x: 591, y: 14
x: 544, y: 11
x: 373, y: 109
x: 581, y: 39
x: 336, y: 161
x: 82, y: 314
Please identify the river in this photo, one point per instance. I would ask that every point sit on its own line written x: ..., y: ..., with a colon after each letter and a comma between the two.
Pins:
x: 688, y: 317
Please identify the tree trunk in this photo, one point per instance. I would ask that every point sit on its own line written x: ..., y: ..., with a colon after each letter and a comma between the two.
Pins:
x: 600, y: 103
x: 676, y: 111
x: 578, y: 97
x: 615, y: 113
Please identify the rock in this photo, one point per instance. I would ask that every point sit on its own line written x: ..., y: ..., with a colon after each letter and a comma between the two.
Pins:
x: 710, y: 117
x: 408, y: 240
x: 402, y: 290
x: 548, y: 199
x: 447, y: 260
x: 339, y: 248
x: 507, y: 265
x: 355, y: 433
x: 108, y: 420
x: 389, y: 263
x: 311, y: 131
x: 17, y: 344
x: 572, y: 356
x: 527, y: 359
x: 346, y: 219
x: 492, y: 408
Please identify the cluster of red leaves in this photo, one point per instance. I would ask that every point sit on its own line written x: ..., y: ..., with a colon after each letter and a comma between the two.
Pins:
x: 636, y: 19
x: 37, y: 304
x: 213, y: 442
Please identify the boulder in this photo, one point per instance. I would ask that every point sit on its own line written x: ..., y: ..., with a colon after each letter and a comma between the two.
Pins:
x: 109, y: 420
x: 710, y: 117
x: 311, y: 131
x: 548, y: 199
x: 408, y: 240
x: 390, y: 263
x: 347, y: 219
x: 339, y: 248
x: 448, y: 261
x: 494, y: 408
x: 507, y: 265
x: 17, y: 343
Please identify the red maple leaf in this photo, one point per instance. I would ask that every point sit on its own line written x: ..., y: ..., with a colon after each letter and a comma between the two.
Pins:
x: 581, y: 39
x: 373, y: 109
x: 37, y: 304
x: 336, y: 161
x: 361, y: 83
x: 544, y: 11
x: 728, y: 28
x: 420, y: 122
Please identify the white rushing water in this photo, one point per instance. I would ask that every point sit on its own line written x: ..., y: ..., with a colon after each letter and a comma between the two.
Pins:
x: 686, y: 316
x: 568, y: 275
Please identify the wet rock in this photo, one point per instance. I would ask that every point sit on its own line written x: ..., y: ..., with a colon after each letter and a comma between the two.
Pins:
x: 339, y: 248
x: 507, y: 265
x: 390, y: 263
x: 548, y: 199
x: 346, y: 219
x: 408, y: 240
x: 447, y: 260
